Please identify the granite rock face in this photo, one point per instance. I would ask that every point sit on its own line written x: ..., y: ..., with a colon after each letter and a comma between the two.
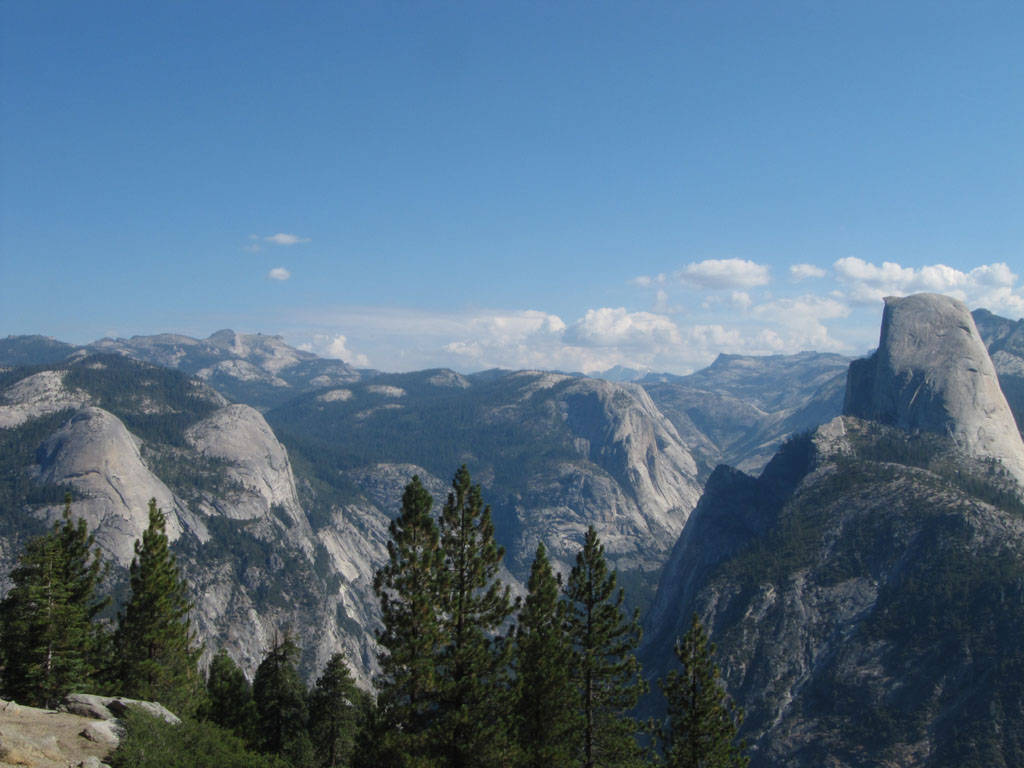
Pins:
x: 256, y: 461
x: 866, y: 610
x: 38, y: 395
x: 932, y: 373
x: 94, y: 454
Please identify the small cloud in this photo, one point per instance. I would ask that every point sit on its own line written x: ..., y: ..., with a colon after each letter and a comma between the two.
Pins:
x: 282, y: 238
x: 725, y: 273
x: 741, y: 300
x: 256, y: 242
x: 799, y: 272
x: 662, y: 304
x: 646, y: 281
x: 279, y: 273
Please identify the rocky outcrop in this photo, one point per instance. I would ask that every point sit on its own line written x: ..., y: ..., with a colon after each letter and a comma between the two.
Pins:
x: 255, y: 461
x: 94, y: 454
x: 38, y: 395
x: 864, y: 594
x: 44, y: 738
x: 649, y: 485
x: 932, y: 373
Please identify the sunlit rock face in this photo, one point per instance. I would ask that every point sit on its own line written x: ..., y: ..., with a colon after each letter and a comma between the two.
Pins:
x: 932, y: 373
x: 98, y: 458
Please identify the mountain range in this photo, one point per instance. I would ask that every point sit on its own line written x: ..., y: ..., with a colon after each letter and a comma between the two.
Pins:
x: 803, y: 505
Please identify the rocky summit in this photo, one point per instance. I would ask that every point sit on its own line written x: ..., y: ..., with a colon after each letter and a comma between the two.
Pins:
x: 865, y: 591
x: 932, y: 373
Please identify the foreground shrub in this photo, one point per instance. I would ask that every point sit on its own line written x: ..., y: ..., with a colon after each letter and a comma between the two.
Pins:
x: 152, y: 743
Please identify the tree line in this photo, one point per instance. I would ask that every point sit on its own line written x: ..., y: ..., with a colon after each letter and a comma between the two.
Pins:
x: 469, y: 677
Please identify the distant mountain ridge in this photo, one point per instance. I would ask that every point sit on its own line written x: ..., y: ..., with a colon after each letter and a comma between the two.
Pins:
x: 283, y: 498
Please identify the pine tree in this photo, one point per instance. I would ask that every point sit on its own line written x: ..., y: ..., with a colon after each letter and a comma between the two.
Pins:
x: 409, y: 588
x: 229, y: 701
x: 700, y: 730
x: 333, y: 714
x: 606, y: 670
x: 48, y: 637
x: 154, y: 640
x: 281, y: 708
x: 546, y: 700
x: 475, y: 688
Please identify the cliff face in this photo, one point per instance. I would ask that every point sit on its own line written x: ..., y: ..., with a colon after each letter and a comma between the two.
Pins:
x: 553, y: 453
x: 93, y: 454
x: 865, y: 591
x: 869, y: 614
x: 267, y: 548
x: 932, y: 373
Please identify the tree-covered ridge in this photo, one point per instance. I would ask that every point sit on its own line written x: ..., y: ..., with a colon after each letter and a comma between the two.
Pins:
x: 405, y: 418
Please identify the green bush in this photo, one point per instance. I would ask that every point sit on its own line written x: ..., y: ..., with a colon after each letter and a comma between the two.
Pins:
x: 149, y: 742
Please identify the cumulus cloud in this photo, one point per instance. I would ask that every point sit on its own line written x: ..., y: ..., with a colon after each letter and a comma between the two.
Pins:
x: 990, y: 285
x: 471, y: 340
x: 725, y: 273
x: 335, y: 346
x: 279, y: 273
x: 801, y: 319
x: 606, y: 327
x: 798, y: 272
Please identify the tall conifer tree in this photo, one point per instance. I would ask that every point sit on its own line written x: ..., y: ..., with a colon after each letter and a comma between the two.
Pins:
x: 229, y: 701
x: 154, y: 641
x: 700, y: 730
x: 547, y: 707
x: 333, y: 713
x: 281, y: 711
x: 474, y: 729
x: 48, y: 638
x: 606, y: 670
x: 409, y: 588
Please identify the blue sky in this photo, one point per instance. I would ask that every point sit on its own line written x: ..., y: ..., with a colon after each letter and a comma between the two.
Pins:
x: 569, y: 185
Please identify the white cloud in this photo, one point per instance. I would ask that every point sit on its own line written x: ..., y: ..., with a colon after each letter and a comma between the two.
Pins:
x: 799, y: 272
x: 741, y: 300
x: 801, y: 320
x: 279, y: 273
x: 606, y: 327
x: 725, y: 273
x: 400, y: 339
x: 990, y: 285
x: 663, y: 306
x: 646, y: 281
x: 282, y: 238
x: 335, y: 346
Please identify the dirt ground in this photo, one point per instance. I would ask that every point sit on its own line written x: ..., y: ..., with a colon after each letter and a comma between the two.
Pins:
x: 40, y: 738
